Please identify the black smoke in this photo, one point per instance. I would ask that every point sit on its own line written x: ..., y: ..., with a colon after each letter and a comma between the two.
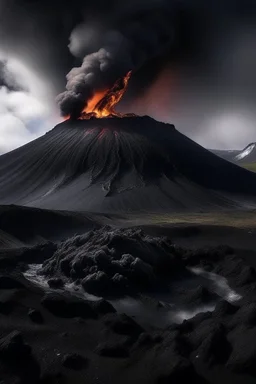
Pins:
x: 135, y: 35
x: 194, y: 36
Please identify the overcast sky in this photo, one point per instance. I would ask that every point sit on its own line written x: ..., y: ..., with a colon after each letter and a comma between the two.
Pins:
x: 205, y: 82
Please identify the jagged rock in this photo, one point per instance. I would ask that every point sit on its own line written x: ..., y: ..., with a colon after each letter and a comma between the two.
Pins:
x: 124, y: 263
x: 187, y: 326
x: 74, y: 361
x: 102, y: 261
x: 98, y: 284
x: 224, y: 308
x: 36, y: 316
x: 142, y: 272
x: 121, y: 284
x: 102, y: 307
x: 123, y: 325
x: 55, y: 283
x: 68, y: 306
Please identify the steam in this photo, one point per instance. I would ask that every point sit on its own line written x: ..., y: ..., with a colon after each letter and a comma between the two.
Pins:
x: 128, y: 47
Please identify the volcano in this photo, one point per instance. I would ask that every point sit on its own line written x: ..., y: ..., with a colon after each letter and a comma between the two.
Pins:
x: 121, y: 164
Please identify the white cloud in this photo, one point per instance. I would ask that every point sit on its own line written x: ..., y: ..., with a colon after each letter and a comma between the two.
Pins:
x: 24, y: 114
x: 230, y: 130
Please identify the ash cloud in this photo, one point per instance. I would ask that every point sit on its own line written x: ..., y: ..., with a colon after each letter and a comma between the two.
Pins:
x: 210, y: 49
x: 137, y: 34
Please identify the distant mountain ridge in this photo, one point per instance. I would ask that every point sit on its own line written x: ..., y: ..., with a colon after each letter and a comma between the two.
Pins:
x: 244, y: 156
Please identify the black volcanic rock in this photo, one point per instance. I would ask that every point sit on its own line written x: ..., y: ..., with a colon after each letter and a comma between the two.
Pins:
x: 123, y: 325
x: 64, y: 305
x: 98, y: 283
x: 102, y: 307
x: 17, y: 359
x: 102, y: 262
x: 55, y: 283
x: 113, y: 165
x: 8, y: 301
x: 74, y: 361
x: 36, y: 316
x: 198, y: 296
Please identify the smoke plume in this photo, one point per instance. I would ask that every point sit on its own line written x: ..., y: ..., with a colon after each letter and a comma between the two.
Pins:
x: 138, y: 36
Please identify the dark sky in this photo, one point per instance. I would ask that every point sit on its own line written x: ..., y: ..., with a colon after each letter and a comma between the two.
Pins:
x: 210, y: 87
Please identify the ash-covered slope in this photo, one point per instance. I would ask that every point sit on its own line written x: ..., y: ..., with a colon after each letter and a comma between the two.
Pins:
x: 120, y: 164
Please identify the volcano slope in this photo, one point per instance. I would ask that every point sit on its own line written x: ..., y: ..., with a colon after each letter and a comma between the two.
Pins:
x: 66, y: 279
x: 121, y: 164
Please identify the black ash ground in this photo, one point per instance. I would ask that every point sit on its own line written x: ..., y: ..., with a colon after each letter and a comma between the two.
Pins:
x: 136, y: 344
x: 137, y: 272
x: 80, y: 301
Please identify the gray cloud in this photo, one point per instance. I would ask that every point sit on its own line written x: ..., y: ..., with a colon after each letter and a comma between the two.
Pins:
x: 25, y: 104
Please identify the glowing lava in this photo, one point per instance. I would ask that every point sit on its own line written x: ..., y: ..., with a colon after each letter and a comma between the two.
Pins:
x: 94, y: 101
x: 103, y: 103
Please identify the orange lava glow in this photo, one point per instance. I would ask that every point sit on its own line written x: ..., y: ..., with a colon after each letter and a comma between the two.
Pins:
x: 103, y: 103
x: 94, y: 101
x: 162, y: 100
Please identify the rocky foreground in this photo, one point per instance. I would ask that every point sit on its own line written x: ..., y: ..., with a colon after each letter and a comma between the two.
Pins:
x: 49, y: 335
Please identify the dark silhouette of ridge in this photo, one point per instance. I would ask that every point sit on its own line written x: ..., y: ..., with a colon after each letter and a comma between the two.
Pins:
x: 121, y: 164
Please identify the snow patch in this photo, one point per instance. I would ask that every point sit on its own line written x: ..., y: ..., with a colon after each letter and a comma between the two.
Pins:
x: 246, y: 152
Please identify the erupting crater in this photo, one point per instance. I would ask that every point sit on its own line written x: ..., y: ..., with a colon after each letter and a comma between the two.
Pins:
x: 103, y: 103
